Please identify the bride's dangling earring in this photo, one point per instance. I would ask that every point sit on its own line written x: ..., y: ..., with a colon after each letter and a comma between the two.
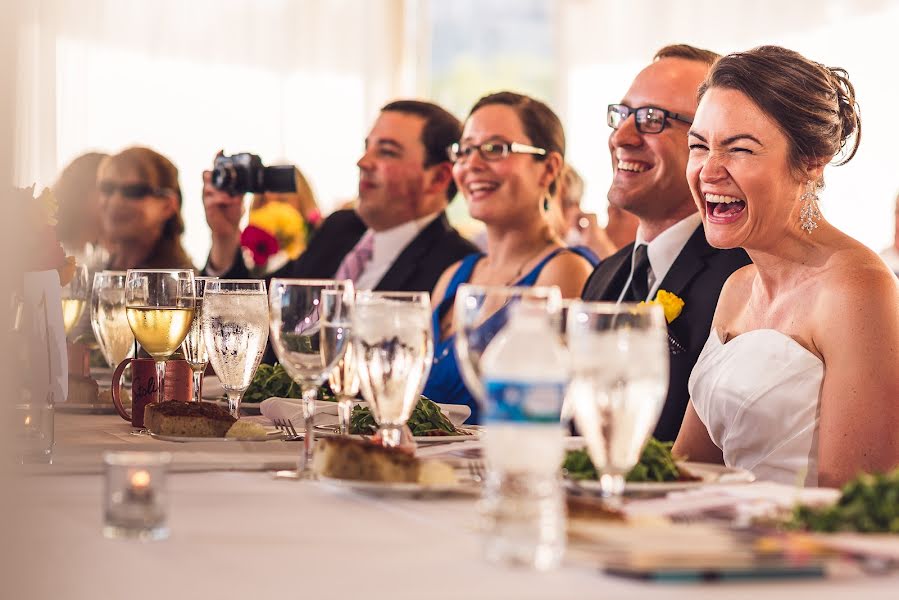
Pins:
x: 809, y: 215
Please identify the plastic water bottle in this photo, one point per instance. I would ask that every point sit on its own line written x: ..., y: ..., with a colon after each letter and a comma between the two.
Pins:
x: 525, y: 372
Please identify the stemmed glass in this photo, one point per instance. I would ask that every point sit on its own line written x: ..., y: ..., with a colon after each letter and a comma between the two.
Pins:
x: 159, y: 306
x: 296, y: 328
x: 74, y: 297
x: 619, y: 355
x: 394, y: 347
x: 479, y: 313
x: 234, y: 324
x: 337, y: 315
x: 193, y: 347
x: 108, y: 318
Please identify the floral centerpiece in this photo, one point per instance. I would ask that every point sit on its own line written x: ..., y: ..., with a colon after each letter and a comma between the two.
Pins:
x: 275, y: 234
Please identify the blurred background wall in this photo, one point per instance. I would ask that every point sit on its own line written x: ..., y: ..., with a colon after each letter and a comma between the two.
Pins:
x: 301, y: 80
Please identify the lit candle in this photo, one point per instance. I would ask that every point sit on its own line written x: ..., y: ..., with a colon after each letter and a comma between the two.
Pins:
x: 139, y: 487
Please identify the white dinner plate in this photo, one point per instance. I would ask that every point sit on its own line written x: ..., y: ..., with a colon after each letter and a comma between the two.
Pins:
x: 411, y: 490
x: 86, y: 408
x: 473, y: 434
x: 273, y: 436
x: 709, y: 474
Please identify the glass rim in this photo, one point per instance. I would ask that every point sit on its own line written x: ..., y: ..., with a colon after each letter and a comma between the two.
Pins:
x: 308, y: 282
x: 128, y: 458
x: 244, y: 285
x: 381, y: 294
x: 511, y: 289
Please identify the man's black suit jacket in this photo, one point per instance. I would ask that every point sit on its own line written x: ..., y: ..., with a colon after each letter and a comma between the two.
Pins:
x: 416, y: 269
x: 696, y: 276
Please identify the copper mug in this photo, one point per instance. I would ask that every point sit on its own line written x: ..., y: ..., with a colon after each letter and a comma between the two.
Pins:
x: 178, y: 386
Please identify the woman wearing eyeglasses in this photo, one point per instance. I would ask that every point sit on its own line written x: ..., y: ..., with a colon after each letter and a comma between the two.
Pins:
x: 140, y: 206
x: 507, y: 166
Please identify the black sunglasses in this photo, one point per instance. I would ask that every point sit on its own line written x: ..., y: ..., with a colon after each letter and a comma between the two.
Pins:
x: 649, y: 119
x: 131, y: 191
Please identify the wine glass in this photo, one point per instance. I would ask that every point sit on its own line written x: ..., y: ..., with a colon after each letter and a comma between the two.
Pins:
x: 336, y: 316
x: 74, y: 297
x: 394, y: 346
x: 234, y: 325
x: 159, y: 305
x: 296, y: 322
x: 619, y: 355
x: 193, y: 347
x: 479, y: 313
x: 108, y: 318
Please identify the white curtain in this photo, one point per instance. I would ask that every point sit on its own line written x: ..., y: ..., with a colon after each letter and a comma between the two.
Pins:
x: 290, y: 80
x: 604, y: 43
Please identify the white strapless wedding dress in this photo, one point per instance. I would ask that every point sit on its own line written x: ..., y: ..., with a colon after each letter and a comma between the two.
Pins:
x: 759, y: 397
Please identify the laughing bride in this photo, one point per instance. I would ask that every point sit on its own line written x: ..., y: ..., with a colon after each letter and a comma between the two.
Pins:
x: 798, y: 381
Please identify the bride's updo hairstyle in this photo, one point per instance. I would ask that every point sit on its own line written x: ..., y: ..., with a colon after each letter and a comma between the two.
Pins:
x: 813, y: 105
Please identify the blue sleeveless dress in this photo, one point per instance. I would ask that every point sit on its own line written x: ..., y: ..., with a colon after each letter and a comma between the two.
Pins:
x: 445, y: 384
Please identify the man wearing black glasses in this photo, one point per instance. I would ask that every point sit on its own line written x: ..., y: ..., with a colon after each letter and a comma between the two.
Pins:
x: 398, y: 238
x: 648, y: 146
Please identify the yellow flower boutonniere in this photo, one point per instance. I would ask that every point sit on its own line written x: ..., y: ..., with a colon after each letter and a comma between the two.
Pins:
x: 670, y: 303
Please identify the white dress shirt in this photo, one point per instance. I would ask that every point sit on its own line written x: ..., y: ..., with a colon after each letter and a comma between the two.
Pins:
x: 387, y: 247
x: 663, y: 250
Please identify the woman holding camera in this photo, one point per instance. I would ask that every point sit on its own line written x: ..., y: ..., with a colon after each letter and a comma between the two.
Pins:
x: 140, y: 207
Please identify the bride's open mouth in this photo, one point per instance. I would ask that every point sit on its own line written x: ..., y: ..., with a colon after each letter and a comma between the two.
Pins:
x: 722, y: 209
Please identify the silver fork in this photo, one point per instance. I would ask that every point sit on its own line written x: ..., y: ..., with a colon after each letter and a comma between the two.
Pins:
x: 286, y: 426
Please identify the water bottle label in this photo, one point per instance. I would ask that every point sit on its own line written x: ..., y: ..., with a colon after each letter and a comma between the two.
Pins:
x: 524, y: 402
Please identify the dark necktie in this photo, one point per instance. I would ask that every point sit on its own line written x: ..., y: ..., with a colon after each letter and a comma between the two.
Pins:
x: 641, y: 279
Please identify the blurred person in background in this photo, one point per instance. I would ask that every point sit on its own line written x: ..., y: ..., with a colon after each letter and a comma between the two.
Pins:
x: 891, y: 255
x: 80, y: 225
x: 580, y: 229
x: 507, y: 164
x: 398, y: 237
x: 140, y: 206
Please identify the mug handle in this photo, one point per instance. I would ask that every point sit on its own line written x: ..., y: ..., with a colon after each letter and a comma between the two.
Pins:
x: 116, y: 389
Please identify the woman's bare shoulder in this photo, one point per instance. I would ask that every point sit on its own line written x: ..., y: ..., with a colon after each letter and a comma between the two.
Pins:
x: 567, y: 270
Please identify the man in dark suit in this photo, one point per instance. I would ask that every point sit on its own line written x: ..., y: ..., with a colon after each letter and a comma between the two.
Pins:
x: 398, y: 238
x: 649, y: 152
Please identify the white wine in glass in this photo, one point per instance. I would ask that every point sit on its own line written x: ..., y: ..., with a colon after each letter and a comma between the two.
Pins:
x: 159, y: 308
x: 108, y: 318
x: 619, y: 357
x: 235, y: 331
x: 74, y: 298
x: 393, y: 345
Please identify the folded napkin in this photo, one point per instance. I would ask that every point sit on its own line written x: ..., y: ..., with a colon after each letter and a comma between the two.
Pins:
x: 291, y: 408
x: 742, y: 499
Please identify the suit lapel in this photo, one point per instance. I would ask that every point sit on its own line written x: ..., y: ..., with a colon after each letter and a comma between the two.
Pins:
x: 610, y: 287
x: 688, y: 263
x: 404, y: 266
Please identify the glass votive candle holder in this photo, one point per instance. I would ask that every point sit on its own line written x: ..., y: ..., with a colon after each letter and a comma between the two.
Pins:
x: 135, y: 497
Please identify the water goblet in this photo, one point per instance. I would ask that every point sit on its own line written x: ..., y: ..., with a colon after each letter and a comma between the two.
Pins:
x: 619, y: 355
x: 159, y: 307
x: 193, y: 348
x: 394, y: 347
x: 108, y: 318
x: 296, y: 331
x: 336, y: 315
x: 74, y: 297
x: 479, y: 313
x: 234, y: 326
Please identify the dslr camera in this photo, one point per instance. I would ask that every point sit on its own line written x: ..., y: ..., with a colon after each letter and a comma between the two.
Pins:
x: 242, y: 173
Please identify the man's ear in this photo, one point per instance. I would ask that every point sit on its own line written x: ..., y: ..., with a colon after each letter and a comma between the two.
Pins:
x: 439, y: 178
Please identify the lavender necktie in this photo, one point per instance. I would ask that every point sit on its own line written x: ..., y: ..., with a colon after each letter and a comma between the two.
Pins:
x: 354, y: 263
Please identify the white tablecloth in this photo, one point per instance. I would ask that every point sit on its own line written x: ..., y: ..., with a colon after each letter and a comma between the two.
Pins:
x: 247, y: 535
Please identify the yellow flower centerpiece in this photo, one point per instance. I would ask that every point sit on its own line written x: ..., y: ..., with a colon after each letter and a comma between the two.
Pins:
x: 670, y: 303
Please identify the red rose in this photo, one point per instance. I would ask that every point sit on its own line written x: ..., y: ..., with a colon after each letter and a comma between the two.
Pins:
x: 260, y: 243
